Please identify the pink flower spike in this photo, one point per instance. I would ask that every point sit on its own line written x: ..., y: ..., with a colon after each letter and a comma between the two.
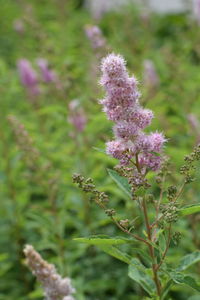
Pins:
x: 121, y: 105
x: 47, y: 74
x: 95, y: 36
x: 27, y: 73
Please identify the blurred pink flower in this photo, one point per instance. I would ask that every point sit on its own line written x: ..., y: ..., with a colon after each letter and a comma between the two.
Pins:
x: 47, y: 74
x: 77, y: 115
x: 28, y: 76
x: 196, y: 10
x: 95, y: 36
x: 195, y: 126
x: 150, y: 75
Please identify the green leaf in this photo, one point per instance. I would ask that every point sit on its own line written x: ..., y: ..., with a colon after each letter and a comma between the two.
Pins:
x: 107, y: 245
x: 115, y: 252
x: 161, y: 239
x: 104, y: 240
x: 121, y: 181
x: 195, y: 297
x: 190, y: 209
x: 138, y: 273
x: 190, y: 281
x: 181, y: 278
x: 36, y: 294
x: 166, y: 289
x: 177, y: 277
x: 142, y: 254
x: 189, y: 260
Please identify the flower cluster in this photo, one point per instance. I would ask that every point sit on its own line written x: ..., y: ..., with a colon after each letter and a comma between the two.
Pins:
x: 188, y: 168
x: 31, y: 79
x: 55, y: 287
x: 28, y: 76
x: 88, y: 186
x: 47, y: 74
x: 121, y: 105
x: 95, y: 36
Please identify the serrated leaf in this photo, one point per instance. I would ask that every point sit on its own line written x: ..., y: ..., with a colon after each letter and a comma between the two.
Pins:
x: 181, y: 278
x: 138, y: 273
x: 98, y: 240
x: 121, y: 181
x: 190, y: 209
x: 189, y: 260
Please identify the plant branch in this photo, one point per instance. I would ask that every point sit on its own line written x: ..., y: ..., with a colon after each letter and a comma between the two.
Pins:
x: 166, y: 249
x: 151, y: 249
x: 128, y: 232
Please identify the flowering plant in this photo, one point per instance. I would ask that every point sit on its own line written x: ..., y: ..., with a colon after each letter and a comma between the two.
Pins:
x: 140, y: 155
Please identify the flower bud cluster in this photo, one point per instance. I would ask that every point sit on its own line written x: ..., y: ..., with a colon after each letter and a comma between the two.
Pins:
x: 88, y: 186
x: 24, y: 141
x: 176, y: 237
x: 124, y: 223
x: 135, y: 179
x: 188, y: 168
x: 121, y: 105
x: 110, y: 212
x: 170, y: 212
x: 55, y: 287
x: 171, y: 192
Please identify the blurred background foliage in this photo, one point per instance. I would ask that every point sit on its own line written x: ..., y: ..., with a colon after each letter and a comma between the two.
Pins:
x: 39, y: 204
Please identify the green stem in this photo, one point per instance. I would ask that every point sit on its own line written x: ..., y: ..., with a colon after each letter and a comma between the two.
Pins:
x: 151, y: 250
